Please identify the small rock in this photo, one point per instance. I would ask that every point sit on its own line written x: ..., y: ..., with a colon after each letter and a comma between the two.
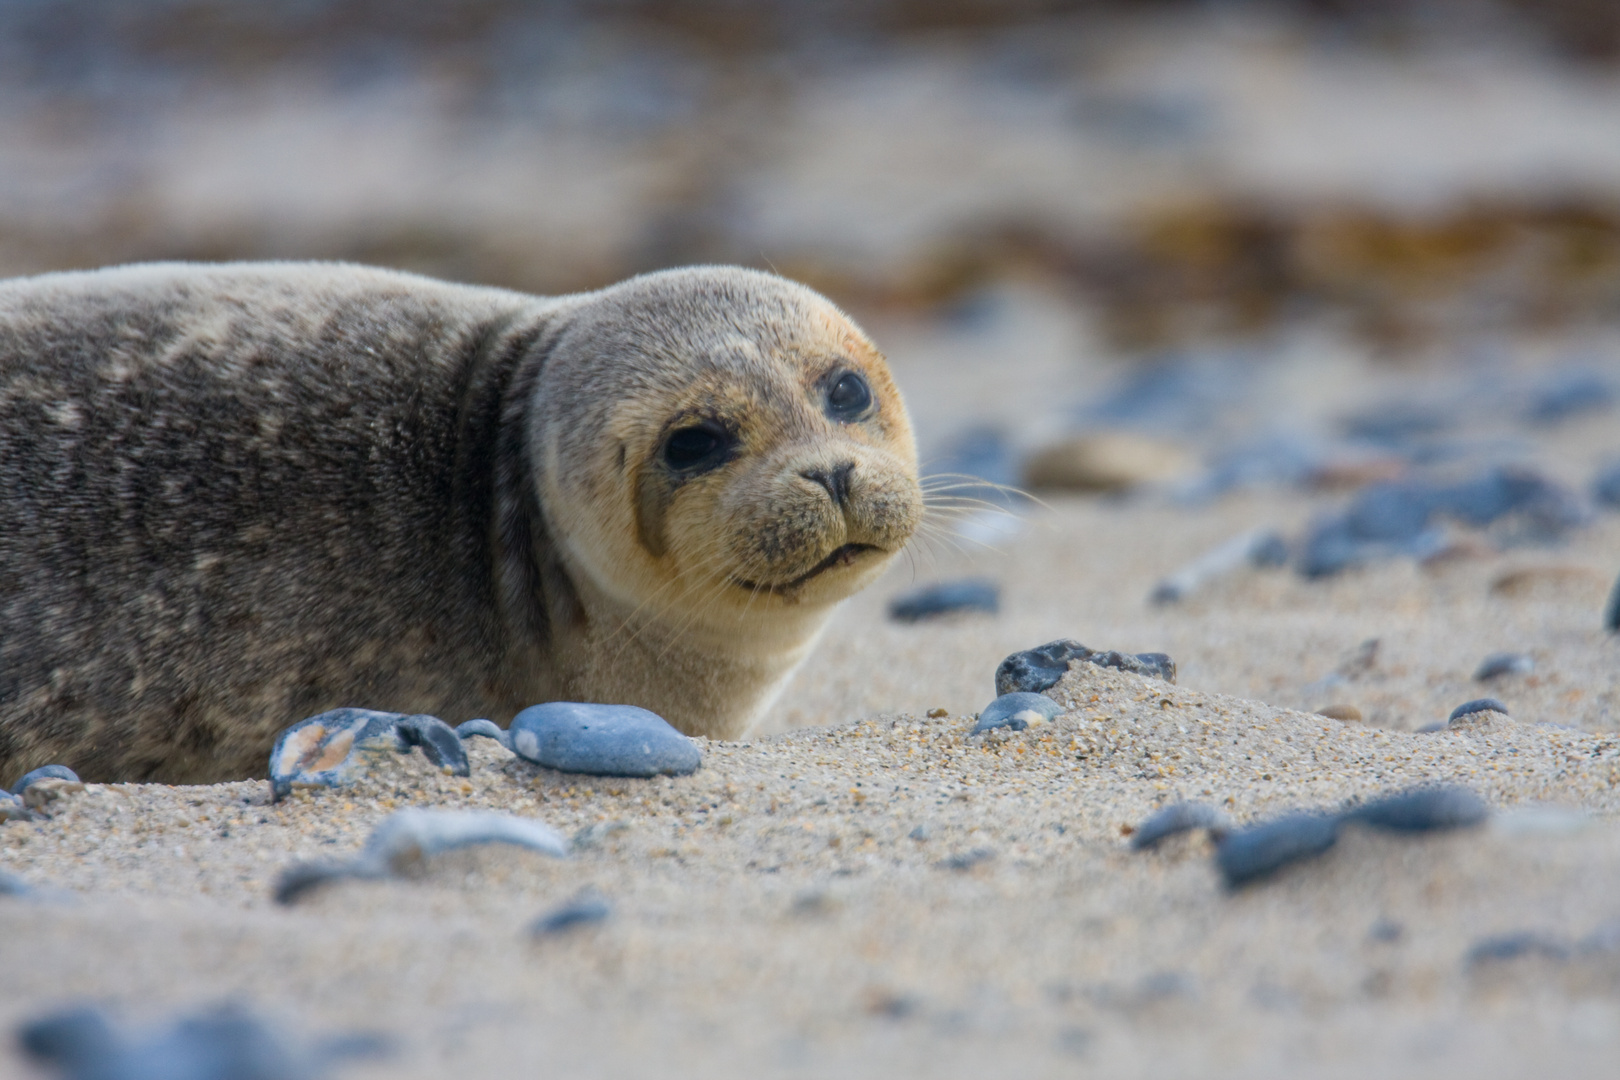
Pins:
x: 967, y: 860
x: 1346, y: 712
x: 1611, y: 616
x: 1424, y: 809
x: 1569, y: 393
x: 1112, y: 461
x: 594, y: 834
x: 12, y: 885
x: 586, y: 909
x: 1037, y: 669
x: 1606, y: 486
x: 921, y: 833
x: 1478, y: 705
x: 484, y: 729
x: 1016, y: 711
x: 13, y: 809
x: 225, y: 1044
x: 336, y: 748
x: 1178, y: 818
x: 976, y: 594
x: 1430, y: 729
x: 1248, y: 855
x: 935, y: 714
x: 406, y: 838
x: 45, y: 772
x: 1514, y: 946
x: 602, y: 740
x: 1504, y: 663
x: 1385, y: 931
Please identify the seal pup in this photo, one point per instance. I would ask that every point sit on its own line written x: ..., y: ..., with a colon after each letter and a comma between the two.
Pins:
x: 232, y: 496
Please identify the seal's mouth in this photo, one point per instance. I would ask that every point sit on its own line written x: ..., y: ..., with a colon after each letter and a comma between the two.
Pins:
x: 840, y: 556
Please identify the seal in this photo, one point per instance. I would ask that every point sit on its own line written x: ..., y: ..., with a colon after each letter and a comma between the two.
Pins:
x: 232, y: 496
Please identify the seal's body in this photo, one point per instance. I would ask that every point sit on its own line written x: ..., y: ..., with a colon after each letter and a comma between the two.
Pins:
x: 233, y: 496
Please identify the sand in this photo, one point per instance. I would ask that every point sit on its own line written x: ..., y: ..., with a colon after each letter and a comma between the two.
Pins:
x: 889, y: 894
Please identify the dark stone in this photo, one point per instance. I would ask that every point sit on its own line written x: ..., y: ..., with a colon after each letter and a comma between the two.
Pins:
x: 976, y: 594
x: 1178, y: 818
x: 967, y: 860
x: 1567, y: 394
x: 485, y: 729
x: 602, y: 740
x: 12, y: 885
x: 1606, y: 487
x: 45, y: 772
x: 584, y: 910
x: 1016, y: 711
x: 1423, y: 809
x: 1478, y: 705
x: 1038, y: 669
x: 1251, y: 854
x: 225, y: 1044
x: 1611, y: 615
x: 334, y: 748
x: 1515, y: 946
x: 1504, y: 663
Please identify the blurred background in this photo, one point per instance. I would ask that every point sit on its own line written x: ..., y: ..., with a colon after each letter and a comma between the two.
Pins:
x: 1176, y: 249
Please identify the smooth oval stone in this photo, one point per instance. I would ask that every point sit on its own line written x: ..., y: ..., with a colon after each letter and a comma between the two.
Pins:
x: 1257, y: 852
x: 1341, y: 711
x: 334, y: 748
x: 1424, y: 809
x: 45, y: 772
x: 1016, y: 711
x: 1178, y: 818
x: 975, y: 594
x: 1504, y: 663
x: 1478, y: 705
x: 602, y: 740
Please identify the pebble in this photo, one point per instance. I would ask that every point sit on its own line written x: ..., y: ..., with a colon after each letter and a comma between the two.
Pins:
x: 13, y: 808
x: 12, y: 885
x: 1611, y: 616
x: 1040, y: 668
x: 45, y: 772
x: 1478, y: 705
x: 484, y: 729
x: 602, y: 740
x: 227, y: 1043
x: 1514, y: 946
x: 1606, y: 486
x: 1178, y: 818
x: 972, y: 594
x: 1504, y: 663
x: 1424, y: 809
x: 1248, y: 855
x: 406, y: 838
x: 586, y: 909
x: 1110, y: 461
x: 1261, y: 547
x: 967, y: 860
x: 1016, y: 711
x: 332, y: 749
x: 1348, y: 713
x: 1569, y: 393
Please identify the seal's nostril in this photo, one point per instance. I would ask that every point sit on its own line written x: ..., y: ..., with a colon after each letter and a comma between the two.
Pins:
x: 835, y: 480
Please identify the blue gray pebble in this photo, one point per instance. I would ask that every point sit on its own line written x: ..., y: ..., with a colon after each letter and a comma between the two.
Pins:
x: 586, y: 909
x: 12, y: 885
x: 1424, y: 809
x: 407, y: 837
x: 225, y: 1044
x: 602, y: 740
x: 1606, y: 486
x: 975, y: 594
x: 1504, y: 663
x: 1611, y: 615
x: 1016, y: 711
x: 484, y: 729
x: 1034, y: 670
x: 1569, y: 393
x: 1179, y: 818
x: 1248, y: 855
x: 1478, y: 705
x: 1514, y: 946
x: 335, y: 748
x: 44, y: 772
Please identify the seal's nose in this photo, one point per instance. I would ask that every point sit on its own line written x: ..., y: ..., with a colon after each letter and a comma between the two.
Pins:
x: 835, y: 480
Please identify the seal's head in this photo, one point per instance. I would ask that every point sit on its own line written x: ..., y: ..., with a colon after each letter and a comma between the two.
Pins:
x: 716, y: 444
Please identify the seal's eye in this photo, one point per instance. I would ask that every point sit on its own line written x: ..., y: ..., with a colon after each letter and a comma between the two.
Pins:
x: 698, y: 448
x: 848, y: 397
